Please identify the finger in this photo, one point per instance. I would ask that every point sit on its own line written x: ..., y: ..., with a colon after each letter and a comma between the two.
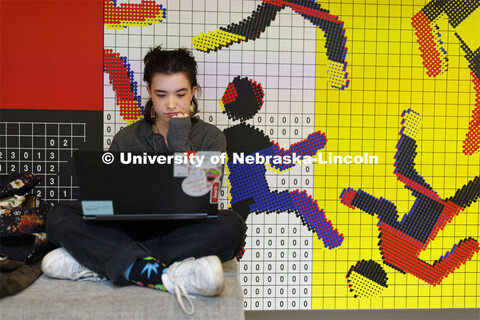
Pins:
x: 180, y: 115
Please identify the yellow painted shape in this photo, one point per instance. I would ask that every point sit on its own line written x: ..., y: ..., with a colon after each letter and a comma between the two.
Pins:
x: 135, y: 120
x: 127, y: 23
x: 440, y: 40
x: 222, y: 106
x: 227, y: 179
x: 336, y: 74
x: 387, y: 77
x: 364, y: 287
x: 469, y: 29
x: 411, y: 124
x: 215, y: 40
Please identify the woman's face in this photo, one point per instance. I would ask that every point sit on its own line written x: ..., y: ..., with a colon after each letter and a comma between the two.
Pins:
x: 171, y: 95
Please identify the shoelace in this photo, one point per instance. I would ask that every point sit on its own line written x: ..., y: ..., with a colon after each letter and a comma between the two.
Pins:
x: 180, y: 290
x: 87, y: 275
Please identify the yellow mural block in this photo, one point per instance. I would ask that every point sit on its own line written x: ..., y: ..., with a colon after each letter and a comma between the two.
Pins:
x: 388, y: 77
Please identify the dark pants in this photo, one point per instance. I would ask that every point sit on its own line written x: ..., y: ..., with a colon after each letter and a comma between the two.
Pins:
x: 109, y: 248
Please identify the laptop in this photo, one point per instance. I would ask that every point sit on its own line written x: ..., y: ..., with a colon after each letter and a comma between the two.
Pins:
x: 148, y: 186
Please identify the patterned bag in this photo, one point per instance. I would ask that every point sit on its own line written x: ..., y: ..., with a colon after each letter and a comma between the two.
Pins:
x: 22, y: 228
x: 26, y: 219
x: 17, y: 184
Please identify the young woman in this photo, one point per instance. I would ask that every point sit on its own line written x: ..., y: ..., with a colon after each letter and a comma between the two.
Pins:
x: 174, y: 256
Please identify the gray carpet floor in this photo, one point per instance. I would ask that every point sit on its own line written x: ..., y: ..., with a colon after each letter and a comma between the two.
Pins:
x: 63, y: 299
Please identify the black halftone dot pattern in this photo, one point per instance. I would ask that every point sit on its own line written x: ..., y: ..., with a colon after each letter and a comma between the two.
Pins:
x: 371, y: 270
x: 254, y: 25
x: 242, y: 99
x: 366, y: 279
x: 245, y: 138
x: 468, y: 194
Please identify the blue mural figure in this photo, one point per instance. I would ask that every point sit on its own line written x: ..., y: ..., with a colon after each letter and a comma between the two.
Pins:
x: 249, y: 188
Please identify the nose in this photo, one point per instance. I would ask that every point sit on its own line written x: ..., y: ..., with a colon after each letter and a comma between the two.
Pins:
x: 171, y: 102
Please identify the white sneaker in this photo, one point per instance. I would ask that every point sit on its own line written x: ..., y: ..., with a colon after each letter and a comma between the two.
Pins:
x: 59, y: 264
x: 203, y: 276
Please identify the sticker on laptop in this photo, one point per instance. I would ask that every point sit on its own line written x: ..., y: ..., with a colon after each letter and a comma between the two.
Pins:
x: 97, y: 207
x: 214, y: 193
x: 202, y: 172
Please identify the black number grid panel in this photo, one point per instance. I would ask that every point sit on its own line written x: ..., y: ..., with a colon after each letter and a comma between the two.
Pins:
x: 44, y: 149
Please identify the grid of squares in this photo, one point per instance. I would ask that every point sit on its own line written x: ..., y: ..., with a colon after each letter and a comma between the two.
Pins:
x: 44, y: 149
x: 387, y: 76
x: 277, y: 273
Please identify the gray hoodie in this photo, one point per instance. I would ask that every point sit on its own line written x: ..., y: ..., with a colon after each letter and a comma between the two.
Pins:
x: 184, y: 134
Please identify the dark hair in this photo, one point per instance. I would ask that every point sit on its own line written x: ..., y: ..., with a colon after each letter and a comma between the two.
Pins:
x: 169, y: 62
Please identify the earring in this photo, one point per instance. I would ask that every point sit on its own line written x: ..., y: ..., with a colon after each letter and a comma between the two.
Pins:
x: 152, y: 113
x: 192, y: 108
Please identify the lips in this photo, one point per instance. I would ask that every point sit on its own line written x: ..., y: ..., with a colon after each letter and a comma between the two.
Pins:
x: 171, y: 114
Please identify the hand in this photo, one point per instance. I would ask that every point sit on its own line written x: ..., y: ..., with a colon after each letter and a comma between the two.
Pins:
x: 181, y: 115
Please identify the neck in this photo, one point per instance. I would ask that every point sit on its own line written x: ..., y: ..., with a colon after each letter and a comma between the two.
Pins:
x: 161, y: 127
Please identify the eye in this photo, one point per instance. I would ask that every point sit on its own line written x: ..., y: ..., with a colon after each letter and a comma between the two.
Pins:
x: 181, y: 95
x: 161, y: 95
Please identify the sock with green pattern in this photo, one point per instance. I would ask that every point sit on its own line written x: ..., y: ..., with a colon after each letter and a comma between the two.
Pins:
x: 146, y: 272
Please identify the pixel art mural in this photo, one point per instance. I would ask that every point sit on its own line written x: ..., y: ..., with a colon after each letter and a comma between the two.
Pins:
x: 275, y: 79
x: 464, y: 18
x: 401, y: 242
x: 249, y: 190
x: 251, y: 28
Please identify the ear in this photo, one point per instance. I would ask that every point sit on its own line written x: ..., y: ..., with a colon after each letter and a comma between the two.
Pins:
x: 194, y: 89
x: 149, y: 91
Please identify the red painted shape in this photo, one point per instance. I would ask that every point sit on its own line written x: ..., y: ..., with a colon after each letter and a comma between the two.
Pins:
x: 230, y: 94
x: 121, y: 85
x: 52, y: 55
x: 258, y: 92
x: 278, y: 3
x: 402, y: 251
x: 130, y: 11
x: 425, y: 38
x: 306, y: 10
x: 425, y: 191
x: 471, y: 144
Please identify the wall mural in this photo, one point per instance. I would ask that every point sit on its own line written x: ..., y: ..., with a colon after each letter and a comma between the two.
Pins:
x: 394, y: 133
